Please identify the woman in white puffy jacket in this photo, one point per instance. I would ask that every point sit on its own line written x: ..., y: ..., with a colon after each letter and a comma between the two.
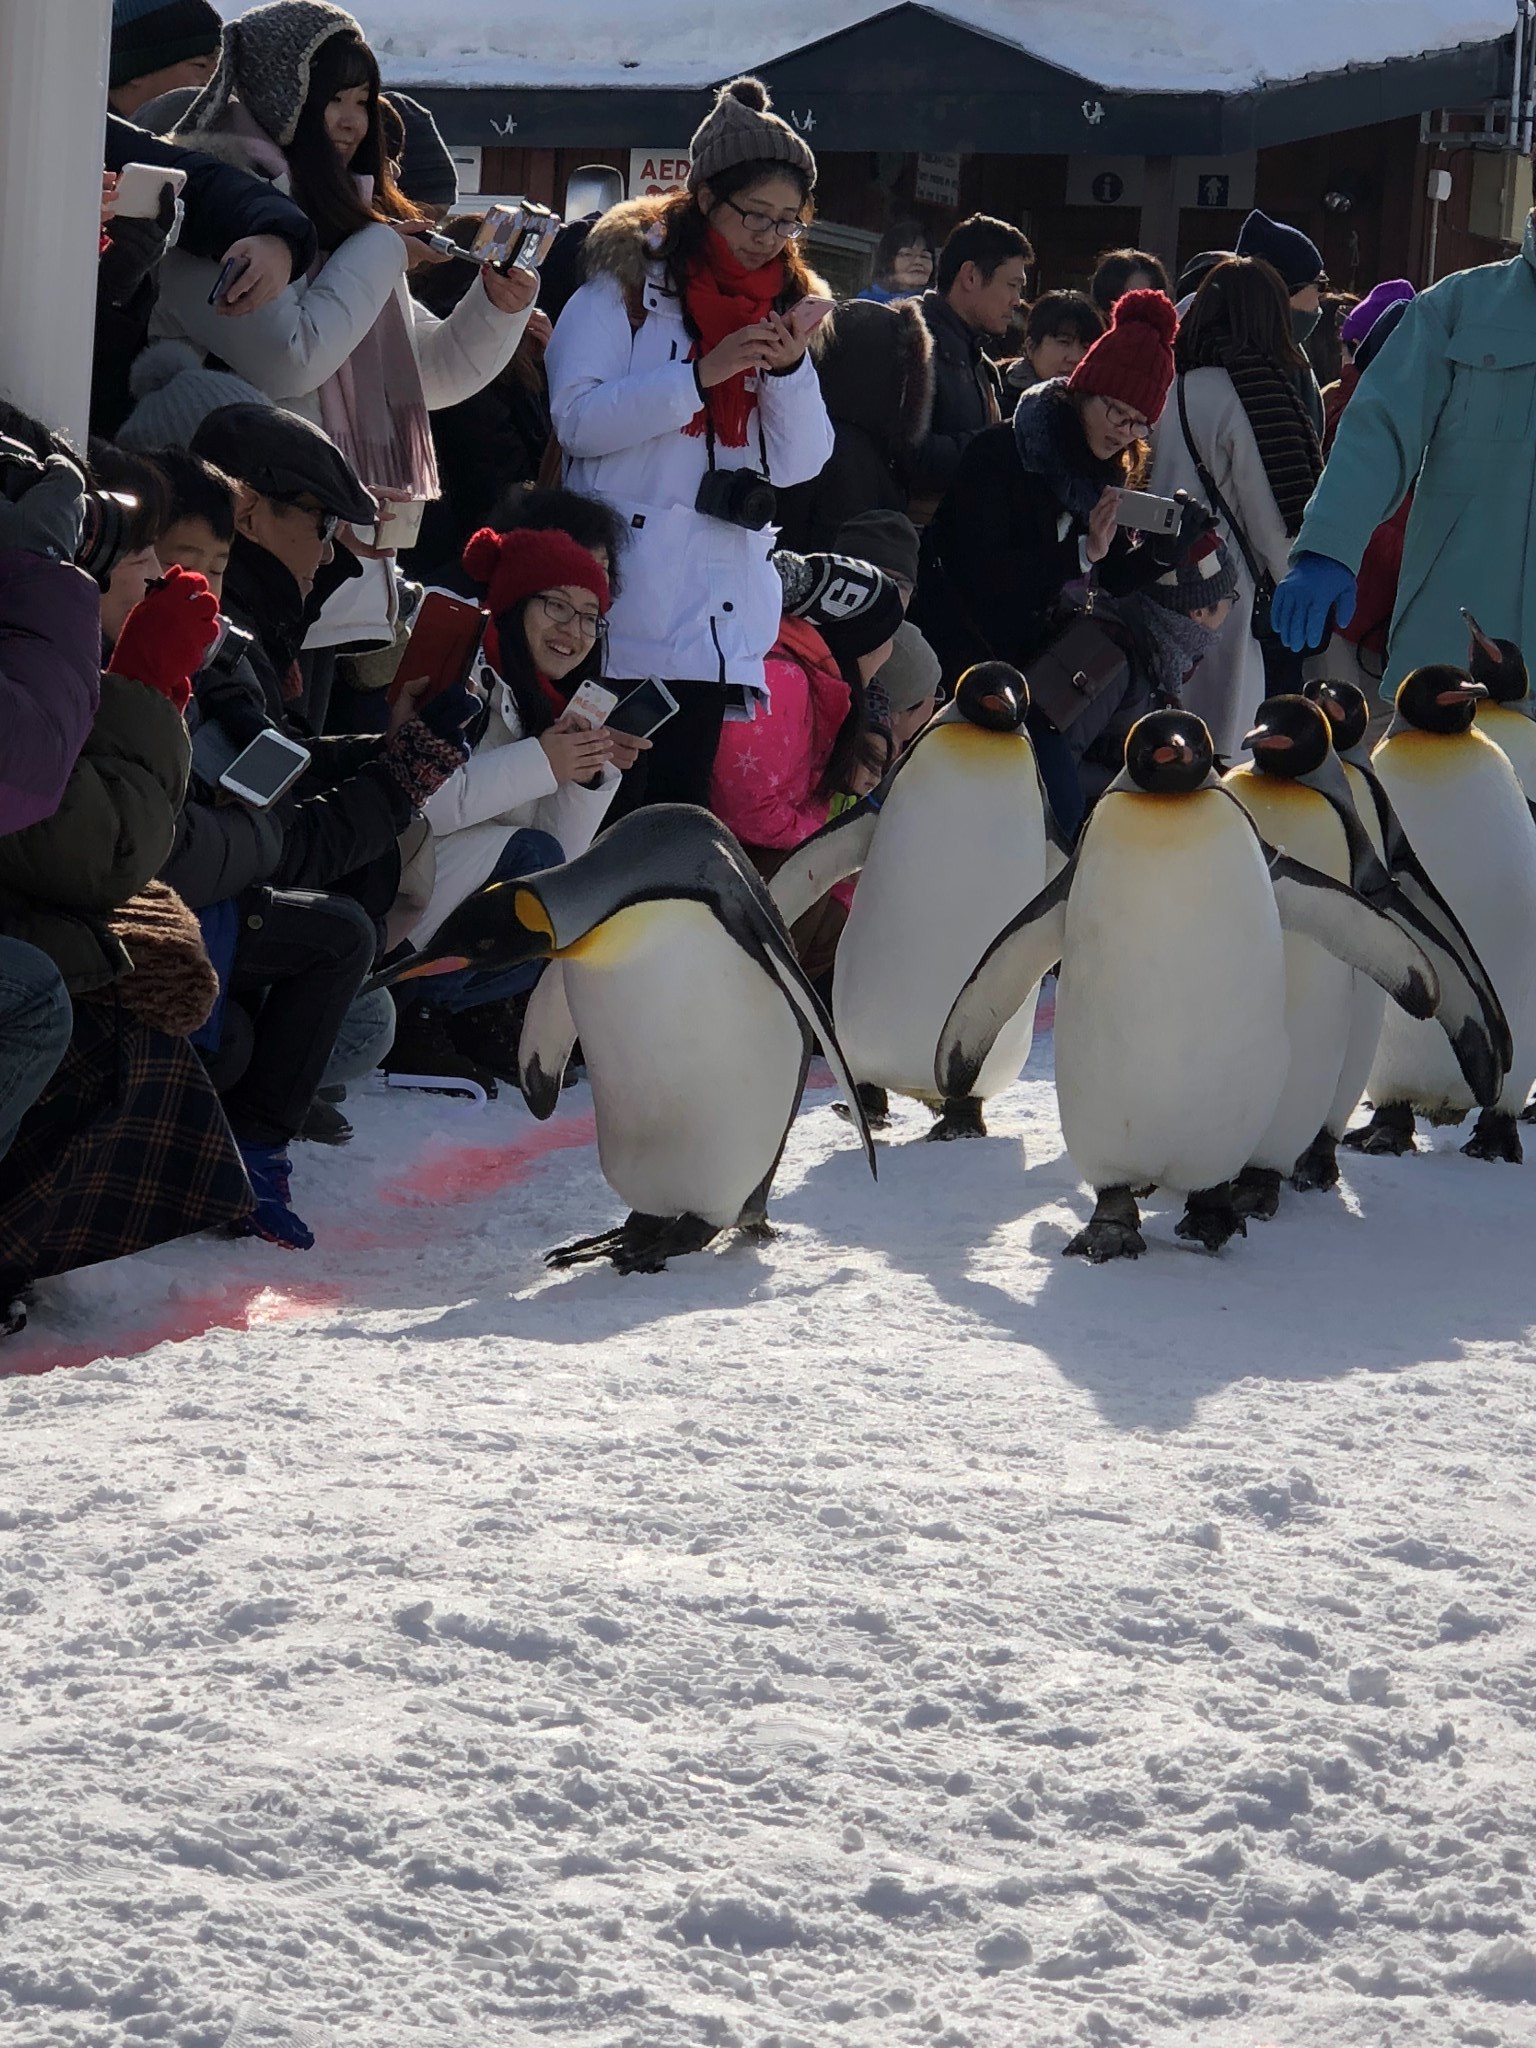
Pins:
x: 684, y: 357
x: 538, y: 782
x: 296, y: 99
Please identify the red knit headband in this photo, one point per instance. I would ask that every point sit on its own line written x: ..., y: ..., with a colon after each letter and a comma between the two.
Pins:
x: 515, y: 565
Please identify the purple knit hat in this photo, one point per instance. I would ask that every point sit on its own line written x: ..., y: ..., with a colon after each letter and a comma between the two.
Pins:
x: 1359, y: 320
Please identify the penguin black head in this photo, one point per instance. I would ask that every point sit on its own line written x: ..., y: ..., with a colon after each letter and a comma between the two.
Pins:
x: 1169, y: 753
x: 1498, y: 665
x: 1291, y: 737
x: 496, y: 928
x: 1438, y: 698
x: 993, y: 696
x: 1348, y: 712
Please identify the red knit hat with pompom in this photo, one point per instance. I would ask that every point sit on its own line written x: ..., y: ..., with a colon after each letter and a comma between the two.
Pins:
x: 518, y: 564
x: 1133, y: 363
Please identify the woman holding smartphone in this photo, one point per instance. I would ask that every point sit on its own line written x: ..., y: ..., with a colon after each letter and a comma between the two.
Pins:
x: 297, y: 98
x: 681, y: 389
x: 541, y: 776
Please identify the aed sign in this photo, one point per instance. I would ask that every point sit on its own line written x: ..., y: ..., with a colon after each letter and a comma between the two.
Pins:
x: 654, y: 171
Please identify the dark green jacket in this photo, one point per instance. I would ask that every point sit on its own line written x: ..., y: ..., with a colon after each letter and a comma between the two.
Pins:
x: 60, y: 880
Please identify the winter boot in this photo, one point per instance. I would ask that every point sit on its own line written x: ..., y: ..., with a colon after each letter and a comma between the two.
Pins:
x: 489, y: 1035
x: 269, y: 1168
x: 423, y: 1045
x: 324, y: 1124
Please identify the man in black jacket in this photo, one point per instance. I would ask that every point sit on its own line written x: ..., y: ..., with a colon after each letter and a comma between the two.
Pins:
x: 979, y: 287
x: 312, y: 906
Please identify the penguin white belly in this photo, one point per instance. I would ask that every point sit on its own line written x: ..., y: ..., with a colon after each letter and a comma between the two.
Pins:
x: 1318, y: 988
x: 1170, y: 1018
x: 1468, y: 821
x: 958, y: 852
x: 1515, y: 736
x: 1368, y: 1001
x: 694, y: 1056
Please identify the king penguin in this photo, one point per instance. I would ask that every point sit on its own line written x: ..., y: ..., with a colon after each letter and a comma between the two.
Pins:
x: 1290, y: 740
x: 1462, y: 807
x: 956, y: 837
x: 1171, y: 1052
x: 1506, y: 714
x: 1470, y: 1013
x: 669, y: 962
x: 1299, y: 797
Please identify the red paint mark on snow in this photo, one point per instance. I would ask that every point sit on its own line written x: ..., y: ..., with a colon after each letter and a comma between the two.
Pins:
x: 255, y: 1306
x: 460, y: 1173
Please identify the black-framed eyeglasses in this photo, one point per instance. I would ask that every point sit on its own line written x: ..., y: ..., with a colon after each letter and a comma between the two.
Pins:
x: 591, y: 625
x: 765, y: 223
x: 1124, y: 422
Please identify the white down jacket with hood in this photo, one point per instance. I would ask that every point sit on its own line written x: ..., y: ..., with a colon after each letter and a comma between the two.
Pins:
x: 701, y: 600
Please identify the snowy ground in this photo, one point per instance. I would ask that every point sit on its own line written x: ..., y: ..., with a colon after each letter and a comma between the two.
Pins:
x: 895, y: 1635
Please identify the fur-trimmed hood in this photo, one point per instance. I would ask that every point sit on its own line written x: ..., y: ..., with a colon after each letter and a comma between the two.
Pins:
x: 876, y: 370
x: 623, y: 243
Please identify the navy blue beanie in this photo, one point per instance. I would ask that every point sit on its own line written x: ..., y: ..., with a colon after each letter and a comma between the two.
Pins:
x: 1295, y: 255
x: 152, y: 35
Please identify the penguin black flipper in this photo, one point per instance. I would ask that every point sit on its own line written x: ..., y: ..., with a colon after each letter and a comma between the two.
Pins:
x: 1470, y: 1005
x: 828, y: 857
x: 1021, y: 955
x: 1345, y: 925
x: 544, y: 1046
x: 755, y: 922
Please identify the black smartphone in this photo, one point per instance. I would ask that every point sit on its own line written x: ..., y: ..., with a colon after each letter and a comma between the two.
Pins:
x: 228, y: 277
x: 643, y: 711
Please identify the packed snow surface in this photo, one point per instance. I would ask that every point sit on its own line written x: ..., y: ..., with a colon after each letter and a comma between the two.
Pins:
x: 894, y: 1636
x: 1130, y: 45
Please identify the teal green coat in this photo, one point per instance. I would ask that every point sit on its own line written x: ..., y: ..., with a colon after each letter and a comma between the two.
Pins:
x: 1451, y: 402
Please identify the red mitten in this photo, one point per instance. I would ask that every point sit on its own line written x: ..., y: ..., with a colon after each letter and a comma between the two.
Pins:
x: 166, y: 635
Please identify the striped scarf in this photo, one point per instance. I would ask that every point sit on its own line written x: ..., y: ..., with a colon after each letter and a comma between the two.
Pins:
x: 1287, y: 440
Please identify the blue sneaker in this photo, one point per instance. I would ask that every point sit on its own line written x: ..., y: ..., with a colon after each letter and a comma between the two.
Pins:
x: 269, y: 1168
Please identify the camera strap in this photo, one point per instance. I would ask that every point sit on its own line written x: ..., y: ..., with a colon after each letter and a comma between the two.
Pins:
x: 709, y: 435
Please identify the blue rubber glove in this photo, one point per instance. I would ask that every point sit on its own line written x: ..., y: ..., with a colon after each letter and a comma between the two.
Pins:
x: 1316, y: 586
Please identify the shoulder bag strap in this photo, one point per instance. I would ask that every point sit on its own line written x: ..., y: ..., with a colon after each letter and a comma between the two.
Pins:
x: 1213, y: 497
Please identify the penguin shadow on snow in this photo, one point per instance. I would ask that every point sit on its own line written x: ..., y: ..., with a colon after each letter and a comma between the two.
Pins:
x: 1407, y: 1262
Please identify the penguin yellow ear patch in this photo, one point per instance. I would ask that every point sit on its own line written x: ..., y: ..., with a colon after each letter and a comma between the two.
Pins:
x: 532, y: 915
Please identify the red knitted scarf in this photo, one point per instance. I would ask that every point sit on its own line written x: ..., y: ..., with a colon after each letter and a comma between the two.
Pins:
x: 720, y: 296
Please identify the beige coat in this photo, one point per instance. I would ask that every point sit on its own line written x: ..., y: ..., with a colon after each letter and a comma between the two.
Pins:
x: 1228, y: 686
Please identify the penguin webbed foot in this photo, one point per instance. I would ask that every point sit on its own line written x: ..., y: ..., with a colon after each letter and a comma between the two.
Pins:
x: 961, y: 1118
x: 1211, y: 1218
x: 757, y: 1230
x: 1256, y: 1192
x: 641, y: 1244
x: 876, y: 1104
x: 1318, y: 1166
x: 1495, y: 1136
x: 1112, y: 1232
x: 1388, y: 1135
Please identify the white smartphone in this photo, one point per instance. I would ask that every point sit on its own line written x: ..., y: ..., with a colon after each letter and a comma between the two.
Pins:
x: 267, y: 769
x: 139, y: 188
x: 1144, y: 512
x: 644, y: 710
x: 594, y: 702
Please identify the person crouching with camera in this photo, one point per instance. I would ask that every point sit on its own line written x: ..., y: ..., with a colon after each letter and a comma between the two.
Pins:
x: 681, y: 391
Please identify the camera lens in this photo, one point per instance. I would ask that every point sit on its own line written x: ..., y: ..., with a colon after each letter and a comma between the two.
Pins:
x: 757, y: 502
x: 103, y: 538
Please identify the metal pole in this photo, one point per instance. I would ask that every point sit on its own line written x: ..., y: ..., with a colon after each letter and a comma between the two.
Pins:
x: 53, y: 98
x: 1517, y: 78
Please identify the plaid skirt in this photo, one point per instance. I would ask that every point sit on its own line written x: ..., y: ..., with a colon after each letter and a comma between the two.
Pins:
x: 126, y: 1147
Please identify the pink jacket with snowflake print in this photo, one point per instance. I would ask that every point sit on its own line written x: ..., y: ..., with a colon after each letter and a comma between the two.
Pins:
x: 768, y: 769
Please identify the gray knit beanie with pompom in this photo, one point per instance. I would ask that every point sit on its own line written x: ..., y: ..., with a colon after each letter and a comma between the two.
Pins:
x: 741, y: 128
x: 176, y: 392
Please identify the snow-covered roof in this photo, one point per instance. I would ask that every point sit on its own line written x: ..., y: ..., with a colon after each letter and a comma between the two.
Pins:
x: 1226, y: 46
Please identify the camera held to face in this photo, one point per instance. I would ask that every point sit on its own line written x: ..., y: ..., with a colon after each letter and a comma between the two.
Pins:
x: 741, y: 497
x: 104, y: 537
